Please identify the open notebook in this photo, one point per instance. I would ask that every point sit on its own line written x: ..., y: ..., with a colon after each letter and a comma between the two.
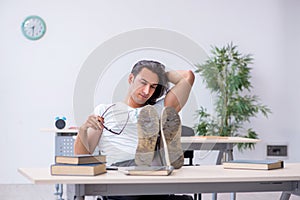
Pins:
x: 152, y: 170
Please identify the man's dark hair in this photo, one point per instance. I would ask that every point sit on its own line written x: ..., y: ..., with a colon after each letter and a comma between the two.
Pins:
x: 158, y: 69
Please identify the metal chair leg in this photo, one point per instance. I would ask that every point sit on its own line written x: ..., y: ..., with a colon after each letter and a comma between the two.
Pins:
x: 285, y: 196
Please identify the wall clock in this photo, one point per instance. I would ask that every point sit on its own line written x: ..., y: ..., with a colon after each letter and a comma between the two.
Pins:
x: 33, y: 27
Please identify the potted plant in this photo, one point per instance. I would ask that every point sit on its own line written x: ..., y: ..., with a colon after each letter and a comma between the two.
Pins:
x: 227, y: 75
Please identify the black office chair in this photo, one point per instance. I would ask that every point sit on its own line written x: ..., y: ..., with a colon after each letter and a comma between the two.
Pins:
x: 188, y: 131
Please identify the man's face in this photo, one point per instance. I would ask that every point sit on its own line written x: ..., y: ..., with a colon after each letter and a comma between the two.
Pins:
x: 142, y: 86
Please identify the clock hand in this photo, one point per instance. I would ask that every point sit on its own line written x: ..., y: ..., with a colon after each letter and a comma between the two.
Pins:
x: 33, y: 27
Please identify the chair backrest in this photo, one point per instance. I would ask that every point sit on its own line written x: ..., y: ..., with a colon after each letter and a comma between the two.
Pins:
x: 188, y: 131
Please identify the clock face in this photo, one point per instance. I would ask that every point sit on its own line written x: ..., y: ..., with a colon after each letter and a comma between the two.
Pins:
x: 33, y: 27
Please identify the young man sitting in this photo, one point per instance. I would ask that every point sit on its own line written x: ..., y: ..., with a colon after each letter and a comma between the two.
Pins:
x: 127, y: 132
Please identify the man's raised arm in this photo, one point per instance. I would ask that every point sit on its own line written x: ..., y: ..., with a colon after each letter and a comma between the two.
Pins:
x: 178, y: 95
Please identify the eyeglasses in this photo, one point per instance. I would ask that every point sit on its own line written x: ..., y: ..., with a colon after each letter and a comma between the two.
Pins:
x: 110, y: 130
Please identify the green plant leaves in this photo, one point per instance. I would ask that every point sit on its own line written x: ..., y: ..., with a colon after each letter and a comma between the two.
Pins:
x: 227, y: 74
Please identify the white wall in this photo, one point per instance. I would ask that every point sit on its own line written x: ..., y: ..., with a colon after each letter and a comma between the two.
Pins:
x: 38, y: 77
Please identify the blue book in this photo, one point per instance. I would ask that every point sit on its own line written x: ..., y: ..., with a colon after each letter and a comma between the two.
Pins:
x: 80, y: 159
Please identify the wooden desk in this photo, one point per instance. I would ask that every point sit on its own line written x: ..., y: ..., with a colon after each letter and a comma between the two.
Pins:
x: 64, y: 142
x: 189, y: 179
x: 214, y: 143
x: 221, y: 144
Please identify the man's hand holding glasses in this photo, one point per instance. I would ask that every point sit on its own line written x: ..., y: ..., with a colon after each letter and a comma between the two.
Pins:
x: 95, y: 122
x: 116, y: 132
x: 89, y: 134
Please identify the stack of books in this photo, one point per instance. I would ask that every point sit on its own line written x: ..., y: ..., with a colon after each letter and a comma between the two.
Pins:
x: 84, y: 165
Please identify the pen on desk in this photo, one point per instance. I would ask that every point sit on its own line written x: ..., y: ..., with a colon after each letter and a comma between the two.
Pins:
x: 111, y: 168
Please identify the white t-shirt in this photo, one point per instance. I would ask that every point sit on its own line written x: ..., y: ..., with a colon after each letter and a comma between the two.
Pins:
x: 118, y: 148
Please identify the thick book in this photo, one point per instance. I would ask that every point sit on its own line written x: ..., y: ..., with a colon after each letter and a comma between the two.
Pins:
x: 254, y: 164
x: 80, y: 170
x: 80, y: 159
x: 147, y: 170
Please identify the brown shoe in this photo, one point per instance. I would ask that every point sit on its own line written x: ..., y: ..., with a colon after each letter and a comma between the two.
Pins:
x: 171, y: 128
x: 148, y: 128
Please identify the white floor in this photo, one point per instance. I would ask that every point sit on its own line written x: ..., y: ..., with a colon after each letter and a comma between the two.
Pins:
x: 46, y: 192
